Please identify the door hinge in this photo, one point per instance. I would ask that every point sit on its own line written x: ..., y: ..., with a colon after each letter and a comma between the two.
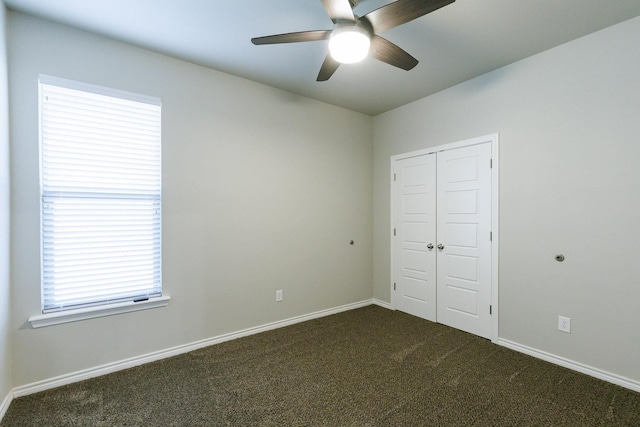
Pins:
x: 491, y: 236
x: 490, y: 310
x: 394, y: 231
x: 490, y: 163
x: 394, y: 286
x: 394, y: 176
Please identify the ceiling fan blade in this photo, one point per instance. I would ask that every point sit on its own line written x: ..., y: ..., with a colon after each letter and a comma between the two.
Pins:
x: 385, y: 51
x: 303, y: 36
x: 329, y: 66
x: 402, y: 11
x: 338, y: 10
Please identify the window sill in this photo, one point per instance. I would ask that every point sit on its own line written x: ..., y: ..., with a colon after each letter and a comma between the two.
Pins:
x: 59, y: 317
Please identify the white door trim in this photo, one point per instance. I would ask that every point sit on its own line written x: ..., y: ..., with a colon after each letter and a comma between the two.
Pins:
x: 494, y: 139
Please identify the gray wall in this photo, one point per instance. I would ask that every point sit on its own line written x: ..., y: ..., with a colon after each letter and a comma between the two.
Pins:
x: 262, y: 190
x: 5, y: 294
x: 568, y: 120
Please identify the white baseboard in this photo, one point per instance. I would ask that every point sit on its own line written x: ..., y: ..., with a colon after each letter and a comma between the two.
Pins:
x: 163, y: 354
x: 567, y: 363
x: 5, y: 405
x: 382, y: 304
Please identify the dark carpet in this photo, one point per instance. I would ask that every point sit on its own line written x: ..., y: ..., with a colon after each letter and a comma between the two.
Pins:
x: 365, y: 367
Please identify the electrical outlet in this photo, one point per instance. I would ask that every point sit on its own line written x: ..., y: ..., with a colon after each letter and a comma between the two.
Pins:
x: 564, y: 324
x: 279, y: 295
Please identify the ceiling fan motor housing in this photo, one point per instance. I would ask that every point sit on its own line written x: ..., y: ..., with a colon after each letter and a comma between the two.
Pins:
x: 361, y: 24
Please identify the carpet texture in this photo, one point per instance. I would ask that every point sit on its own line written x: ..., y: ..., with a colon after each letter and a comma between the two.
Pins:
x: 365, y: 367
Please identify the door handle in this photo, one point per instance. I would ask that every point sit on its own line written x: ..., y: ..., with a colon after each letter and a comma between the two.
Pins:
x: 430, y: 246
x: 441, y: 246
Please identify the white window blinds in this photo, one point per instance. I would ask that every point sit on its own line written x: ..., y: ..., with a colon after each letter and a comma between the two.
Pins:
x: 101, y: 195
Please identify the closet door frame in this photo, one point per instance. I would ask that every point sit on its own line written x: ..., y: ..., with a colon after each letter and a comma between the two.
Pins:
x: 495, y: 173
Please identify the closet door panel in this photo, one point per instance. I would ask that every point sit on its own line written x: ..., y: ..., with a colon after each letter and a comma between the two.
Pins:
x: 463, y: 235
x: 414, y: 212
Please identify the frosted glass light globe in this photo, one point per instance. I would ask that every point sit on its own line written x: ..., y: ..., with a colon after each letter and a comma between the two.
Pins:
x: 349, y: 45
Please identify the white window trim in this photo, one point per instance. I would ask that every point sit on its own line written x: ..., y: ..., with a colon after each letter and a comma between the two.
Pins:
x: 67, y: 316
x: 99, y: 90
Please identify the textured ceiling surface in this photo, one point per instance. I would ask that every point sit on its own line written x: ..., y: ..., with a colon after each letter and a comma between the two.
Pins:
x: 453, y: 44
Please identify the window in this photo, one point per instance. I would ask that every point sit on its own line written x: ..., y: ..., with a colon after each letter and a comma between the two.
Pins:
x: 100, y: 195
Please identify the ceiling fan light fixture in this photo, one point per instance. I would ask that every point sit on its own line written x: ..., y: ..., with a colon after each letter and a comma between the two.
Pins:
x: 349, y: 44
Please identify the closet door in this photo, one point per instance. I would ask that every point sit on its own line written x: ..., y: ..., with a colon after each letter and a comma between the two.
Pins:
x: 414, y: 254
x: 464, y: 239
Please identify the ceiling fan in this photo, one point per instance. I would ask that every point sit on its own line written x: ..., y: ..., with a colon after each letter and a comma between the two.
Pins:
x: 351, y: 32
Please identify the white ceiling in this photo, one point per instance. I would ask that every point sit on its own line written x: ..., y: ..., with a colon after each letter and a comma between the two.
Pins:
x: 453, y: 44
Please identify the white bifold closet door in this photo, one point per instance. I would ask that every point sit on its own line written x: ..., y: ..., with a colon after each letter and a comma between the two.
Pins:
x: 442, y: 237
x: 414, y: 255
